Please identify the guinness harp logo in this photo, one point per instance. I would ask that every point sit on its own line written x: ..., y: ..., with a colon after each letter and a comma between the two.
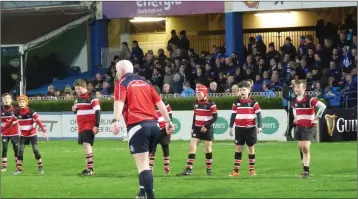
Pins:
x: 331, y: 122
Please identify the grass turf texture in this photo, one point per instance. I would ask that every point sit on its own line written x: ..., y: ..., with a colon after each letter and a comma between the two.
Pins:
x: 333, y: 169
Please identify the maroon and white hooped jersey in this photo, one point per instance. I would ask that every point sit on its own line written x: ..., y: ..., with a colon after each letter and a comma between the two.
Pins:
x: 161, y: 120
x: 203, y: 112
x: 7, y: 116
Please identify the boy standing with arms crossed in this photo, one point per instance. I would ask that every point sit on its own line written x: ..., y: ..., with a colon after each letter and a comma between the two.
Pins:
x: 244, y: 112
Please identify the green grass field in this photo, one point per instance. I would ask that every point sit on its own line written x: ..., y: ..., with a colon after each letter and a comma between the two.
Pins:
x: 334, y: 167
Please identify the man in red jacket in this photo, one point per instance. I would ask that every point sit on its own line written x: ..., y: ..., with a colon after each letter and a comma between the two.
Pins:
x: 136, y: 100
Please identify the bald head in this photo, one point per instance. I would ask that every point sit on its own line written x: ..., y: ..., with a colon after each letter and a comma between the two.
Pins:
x: 125, y: 66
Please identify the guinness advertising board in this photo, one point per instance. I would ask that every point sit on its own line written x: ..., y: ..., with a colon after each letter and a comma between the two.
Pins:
x: 338, y: 125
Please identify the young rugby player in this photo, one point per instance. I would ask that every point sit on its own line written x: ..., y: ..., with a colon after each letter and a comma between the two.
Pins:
x: 244, y: 112
x: 27, y: 119
x: 303, y: 107
x: 205, y: 115
x: 9, y: 134
x: 164, y: 141
x: 88, y: 111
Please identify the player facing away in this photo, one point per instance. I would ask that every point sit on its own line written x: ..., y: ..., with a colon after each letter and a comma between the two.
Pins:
x: 303, y: 107
x: 88, y: 113
x: 205, y: 115
x: 244, y: 112
x: 27, y: 119
x: 135, y: 99
x: 163, y: 140
x: 9, y: 134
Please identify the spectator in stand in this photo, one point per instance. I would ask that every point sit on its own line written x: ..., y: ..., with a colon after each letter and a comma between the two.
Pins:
x: 265, y: 77
x: 318, y: 89
x: 319, y: 49
x: 261, y: 67
x: 157, y: 78
x: 235, y: 90
x: 289, y: 48
x: 260, y: 45
x: 229, y: 83
x: 98, y: 82
x: 173, y: 40
x: 168, y: 77
x: 126, y: 52
x: 161, y: 56
x: 309, y: 42
x: 68, y: 89
x: 57, y: 94
x: 239, y: 76
x: 302, y: 50
x: 184, y: 41
x: 99, y: 94
x: 267, y: 92
x: 137, y: 52
x: 318, y: 61
x: 327, y: 51
x: 333, y: 70
x: 177, y: 84
x: 200, y: 77
x: 187, y: 90
x: 213, y: 87
x: 354, y: 42
x: 68, y: 96
x: 166, y: 89
x: 272, y: 53
x: 51, y: 91
x: 107, y: 89
x: 350, y: 92
x: 90, y: 87
x: 257, y: 87
x: 230, y: 67
x: 252, y: 43
x: 333, y: 95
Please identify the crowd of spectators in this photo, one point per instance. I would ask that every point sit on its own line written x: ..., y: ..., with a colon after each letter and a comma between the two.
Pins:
x: 330, y: 66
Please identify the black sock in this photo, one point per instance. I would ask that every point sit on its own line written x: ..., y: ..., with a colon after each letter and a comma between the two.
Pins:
x: 19, y: 162
x: 151, y: 161
x: 237, y: 162
x: 209, y: 160
x: 252, y: 161
x: 191, y: 160
x: 306, y: 169
x: 146, y: 178
x: 4, y: 164
x: 141, y: 186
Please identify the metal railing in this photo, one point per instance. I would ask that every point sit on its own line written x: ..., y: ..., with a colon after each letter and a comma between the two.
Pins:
x: 346, y: 99
x: 254, y: 94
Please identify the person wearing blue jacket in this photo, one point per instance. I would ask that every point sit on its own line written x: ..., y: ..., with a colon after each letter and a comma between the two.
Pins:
x: 187, y: 91
x: 333, y: 96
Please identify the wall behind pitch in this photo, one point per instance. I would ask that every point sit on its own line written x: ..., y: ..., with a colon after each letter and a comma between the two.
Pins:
x: 71, y: 48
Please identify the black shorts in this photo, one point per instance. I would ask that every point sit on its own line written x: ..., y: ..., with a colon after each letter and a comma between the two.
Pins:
x: 6, y: 139
x: 304, y: 133
x: 143, y: 137
x: 245, y: 135
x: 164, y: 138
x: 207, y: 136
x: 86, y: 136
x: 28, y: 140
